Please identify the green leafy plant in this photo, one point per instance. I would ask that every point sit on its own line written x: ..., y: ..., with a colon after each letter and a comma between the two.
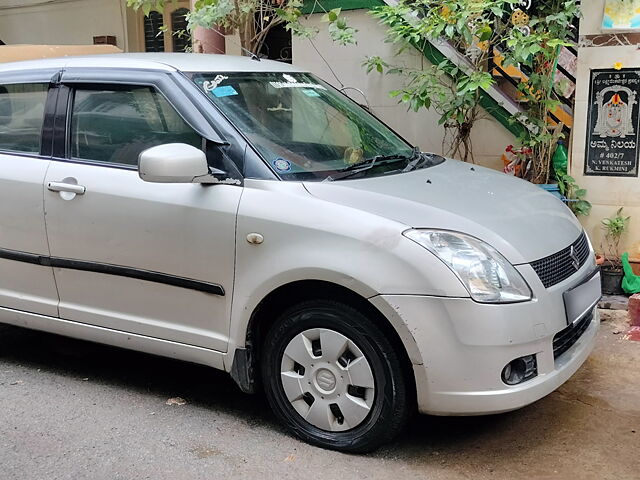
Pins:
x: 339, y: 31
x: 486, y: 33
x: 254, y: 19
x: 576, y: 195
x: 538, y: 47
x: 614, y: 227
x: 452, y: 90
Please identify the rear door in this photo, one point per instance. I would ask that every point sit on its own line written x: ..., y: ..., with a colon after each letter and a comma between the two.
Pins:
x: 26, y: 280
x: 146, y: 258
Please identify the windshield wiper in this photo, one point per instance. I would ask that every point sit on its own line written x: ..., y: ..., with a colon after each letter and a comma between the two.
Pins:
x: 369, y: 163
x: 423, y: 160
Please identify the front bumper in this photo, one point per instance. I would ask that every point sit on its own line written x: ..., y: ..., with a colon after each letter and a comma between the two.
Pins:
x: 459, y: 347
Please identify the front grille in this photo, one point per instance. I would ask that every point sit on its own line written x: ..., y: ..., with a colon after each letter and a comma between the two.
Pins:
x: 565, y: 339
x: 560, y: 266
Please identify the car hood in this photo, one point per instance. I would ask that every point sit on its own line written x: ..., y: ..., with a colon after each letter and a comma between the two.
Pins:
x: 519, y: 219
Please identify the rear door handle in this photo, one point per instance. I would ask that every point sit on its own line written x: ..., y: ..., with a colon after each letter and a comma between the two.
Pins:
x: 66, y: 187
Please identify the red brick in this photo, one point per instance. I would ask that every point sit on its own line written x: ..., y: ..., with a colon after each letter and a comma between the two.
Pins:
x: 634, y: 309
x: 633, y: 334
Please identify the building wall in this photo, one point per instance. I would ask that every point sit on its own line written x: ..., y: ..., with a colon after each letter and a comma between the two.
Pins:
x: 135, y: 26
x: 591, y: 22
x: 489, y: 137
x: 606, y: 194
x: 62, y: 22
x: 76, y: 22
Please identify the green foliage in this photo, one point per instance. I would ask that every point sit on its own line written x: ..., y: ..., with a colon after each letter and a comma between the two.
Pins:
x: 474, y: 27
x: 576, y: 195
x: 290, y: 15
x: 614, y: 227
x: 146, y: 5
x: 339, y: 31
x: 451, y: 90
x: 253, y: 19
x: 208, y: 12
x: 550, y: 28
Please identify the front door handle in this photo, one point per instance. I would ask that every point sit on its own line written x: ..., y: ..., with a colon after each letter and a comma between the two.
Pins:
x: 66, y: 187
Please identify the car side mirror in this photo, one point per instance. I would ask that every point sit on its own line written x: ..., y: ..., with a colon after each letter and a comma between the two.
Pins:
x: 173, y: 163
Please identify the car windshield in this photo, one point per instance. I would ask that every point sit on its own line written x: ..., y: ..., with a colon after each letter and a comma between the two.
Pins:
x: 305, y: 129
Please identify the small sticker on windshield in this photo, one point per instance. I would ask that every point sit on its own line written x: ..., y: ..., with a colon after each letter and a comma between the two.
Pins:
x: 225, y: 91
x: 282, y: 165
x: 210, y: 85
x: 310, y: 93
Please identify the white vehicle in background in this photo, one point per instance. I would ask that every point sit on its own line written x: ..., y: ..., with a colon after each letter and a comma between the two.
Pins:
x: 244, y: 215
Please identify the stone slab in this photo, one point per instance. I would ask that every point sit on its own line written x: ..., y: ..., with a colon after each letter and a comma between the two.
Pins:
x: 613, y: 302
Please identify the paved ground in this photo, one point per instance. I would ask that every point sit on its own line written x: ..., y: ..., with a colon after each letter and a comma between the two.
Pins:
x: 74, y: 410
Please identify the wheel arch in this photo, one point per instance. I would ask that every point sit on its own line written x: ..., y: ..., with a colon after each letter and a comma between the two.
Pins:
x: 245, y: 362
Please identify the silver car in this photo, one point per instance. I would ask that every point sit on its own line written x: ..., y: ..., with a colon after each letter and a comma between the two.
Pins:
x: 245, y: 215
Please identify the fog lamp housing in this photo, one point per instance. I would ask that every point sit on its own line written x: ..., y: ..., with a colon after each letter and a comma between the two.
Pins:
x: 520, y: 370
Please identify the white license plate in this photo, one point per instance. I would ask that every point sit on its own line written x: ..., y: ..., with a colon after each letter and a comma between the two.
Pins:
x: 582, y: 298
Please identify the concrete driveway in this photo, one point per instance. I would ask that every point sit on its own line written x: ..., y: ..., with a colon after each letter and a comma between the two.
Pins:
x: 75, y: 410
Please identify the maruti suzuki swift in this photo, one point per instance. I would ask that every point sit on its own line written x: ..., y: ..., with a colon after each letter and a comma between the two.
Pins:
x: 245, y: 215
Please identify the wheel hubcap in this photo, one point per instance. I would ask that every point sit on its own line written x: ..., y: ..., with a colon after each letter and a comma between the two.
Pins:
x: 327, y: 379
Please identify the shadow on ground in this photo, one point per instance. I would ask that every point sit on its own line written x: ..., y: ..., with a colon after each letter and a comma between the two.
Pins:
x: 130, y: 370
x: 203, y: 386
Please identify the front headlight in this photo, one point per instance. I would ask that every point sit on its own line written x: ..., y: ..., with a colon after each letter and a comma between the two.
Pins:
x: 487, y: 275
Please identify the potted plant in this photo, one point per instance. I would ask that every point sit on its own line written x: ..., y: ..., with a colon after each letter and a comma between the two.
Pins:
x: 611, y: 269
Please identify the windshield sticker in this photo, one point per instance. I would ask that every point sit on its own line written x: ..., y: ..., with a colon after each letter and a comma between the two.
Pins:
x: 310, y: 93
x: 225, y: 91
x: 282, y: 165
x: 210, y: 85
x: 296, y: 85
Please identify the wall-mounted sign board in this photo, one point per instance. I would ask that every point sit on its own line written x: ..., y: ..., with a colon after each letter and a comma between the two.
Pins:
x: 613, y: 130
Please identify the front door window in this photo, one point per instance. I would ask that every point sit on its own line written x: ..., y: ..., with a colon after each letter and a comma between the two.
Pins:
x: 114, y: 125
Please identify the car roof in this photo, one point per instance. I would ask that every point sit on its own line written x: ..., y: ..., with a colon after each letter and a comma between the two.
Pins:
x: 185, y: 62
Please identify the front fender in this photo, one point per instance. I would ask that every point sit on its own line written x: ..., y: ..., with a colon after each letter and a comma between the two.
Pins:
x: 306, y: 238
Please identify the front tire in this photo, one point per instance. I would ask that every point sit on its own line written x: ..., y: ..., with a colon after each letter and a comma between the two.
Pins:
x: 333, y: 378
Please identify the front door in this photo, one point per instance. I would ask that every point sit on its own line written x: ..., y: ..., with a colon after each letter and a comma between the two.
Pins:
x: 146, y: 258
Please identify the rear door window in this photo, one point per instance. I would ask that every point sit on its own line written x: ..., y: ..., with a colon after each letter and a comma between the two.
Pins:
x: 21, y: 116
x: 115, y: 125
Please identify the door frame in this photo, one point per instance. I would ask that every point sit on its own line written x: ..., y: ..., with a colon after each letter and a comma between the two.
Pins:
x: 38, y: 257
x: 176, y: 87
x: 163, y: 81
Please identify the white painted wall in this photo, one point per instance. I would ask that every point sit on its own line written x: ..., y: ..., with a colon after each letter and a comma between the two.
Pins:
x: 591, y: 22
x: 489, y: 137
x: 61, y: 22
x: 606, y: 194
